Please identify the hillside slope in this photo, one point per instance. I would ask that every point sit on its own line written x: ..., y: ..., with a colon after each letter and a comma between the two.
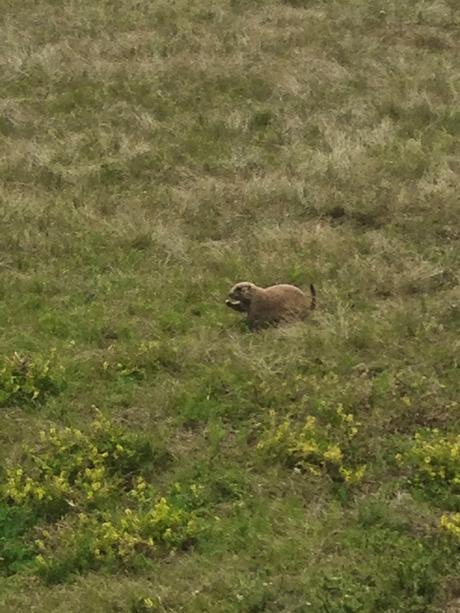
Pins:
x: 155, y: 455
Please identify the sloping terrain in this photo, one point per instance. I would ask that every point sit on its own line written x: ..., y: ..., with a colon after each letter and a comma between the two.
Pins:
x: 155, y: 455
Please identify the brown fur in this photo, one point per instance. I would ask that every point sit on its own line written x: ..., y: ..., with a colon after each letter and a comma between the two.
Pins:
x: 270, y: 305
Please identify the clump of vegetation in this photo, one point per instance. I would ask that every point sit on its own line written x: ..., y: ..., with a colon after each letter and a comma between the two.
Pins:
x: 432, y: 461
x: 126, y: 538
x: 314, y: 445
x: 88, y: 503
x: 29, y: 381
x: 67, y: 468
x: 451, y: 524
x: 144, y: 604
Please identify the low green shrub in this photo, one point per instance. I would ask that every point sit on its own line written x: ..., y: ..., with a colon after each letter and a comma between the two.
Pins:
x: 29, y: 381
x: 77, y: 501
x: 15, y: 552
x: 432, y: 464
x: 451, y: 524
x: 317, y: 444
x: 89, y: 541
x: 67, y: 468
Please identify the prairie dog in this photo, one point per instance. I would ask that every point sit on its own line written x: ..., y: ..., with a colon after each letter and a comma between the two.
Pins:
x: 270, y: 305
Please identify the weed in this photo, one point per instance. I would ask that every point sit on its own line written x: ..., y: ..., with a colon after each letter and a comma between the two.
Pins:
x: 67, y: 468
x: 98, y: 540
x: 69, y: 480
x: 28, y: 381
x: 433, y: 465
x: 314, y: 446
x: 451, y: 524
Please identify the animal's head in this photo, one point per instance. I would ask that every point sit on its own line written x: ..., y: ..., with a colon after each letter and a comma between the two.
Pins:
x: 241, y: 294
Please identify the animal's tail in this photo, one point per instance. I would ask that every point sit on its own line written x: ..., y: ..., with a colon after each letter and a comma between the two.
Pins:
x: 313, y: 297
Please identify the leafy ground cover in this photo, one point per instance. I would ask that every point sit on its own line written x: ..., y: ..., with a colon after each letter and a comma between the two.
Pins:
x: 155, y: 455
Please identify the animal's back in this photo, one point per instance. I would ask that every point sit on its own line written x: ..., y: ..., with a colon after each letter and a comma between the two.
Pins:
x: 288, y: 295
x: 284, y: 302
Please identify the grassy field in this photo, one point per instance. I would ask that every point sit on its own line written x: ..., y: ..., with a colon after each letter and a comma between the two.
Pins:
x: 155, y: 454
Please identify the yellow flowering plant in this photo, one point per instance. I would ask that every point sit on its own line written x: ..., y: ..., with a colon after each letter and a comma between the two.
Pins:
x: 68, y: 468
x: 89, y: 504
x: 29, y: 381
x: 113, y: 540
x: 432, y: 463
x: 314, y: 445
x: 145, y: 604
x: 450, y: 523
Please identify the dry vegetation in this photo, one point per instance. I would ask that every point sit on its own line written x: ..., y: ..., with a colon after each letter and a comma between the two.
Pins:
x: 152, y: 154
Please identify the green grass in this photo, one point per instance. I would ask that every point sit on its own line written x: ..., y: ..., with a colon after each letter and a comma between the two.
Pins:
x: 151, y: 155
